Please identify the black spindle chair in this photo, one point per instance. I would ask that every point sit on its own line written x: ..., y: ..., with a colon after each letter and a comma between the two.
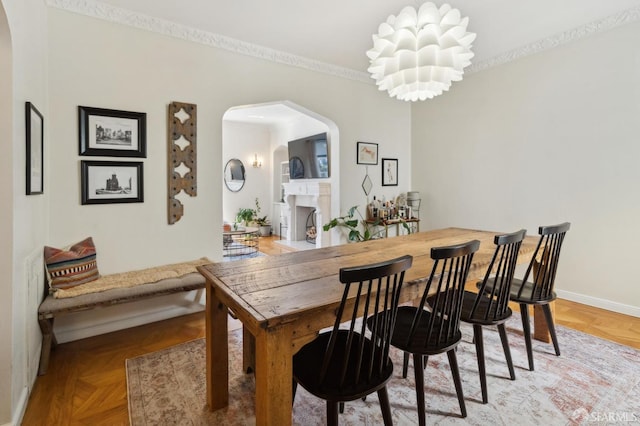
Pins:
x: 423, y: 332
x: 539, y: 291
x: 490, y: 306
x: 343, y: 364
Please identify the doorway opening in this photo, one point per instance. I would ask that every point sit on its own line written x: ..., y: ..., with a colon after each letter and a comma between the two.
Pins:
x: 258, y: 136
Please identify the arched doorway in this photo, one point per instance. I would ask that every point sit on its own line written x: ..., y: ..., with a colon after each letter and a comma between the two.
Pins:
x: 261, y: 131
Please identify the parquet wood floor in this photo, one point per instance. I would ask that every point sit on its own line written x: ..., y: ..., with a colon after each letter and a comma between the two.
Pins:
x: 86, y: 381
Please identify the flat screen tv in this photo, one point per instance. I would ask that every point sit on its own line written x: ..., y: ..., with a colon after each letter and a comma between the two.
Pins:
x: 309, y: 157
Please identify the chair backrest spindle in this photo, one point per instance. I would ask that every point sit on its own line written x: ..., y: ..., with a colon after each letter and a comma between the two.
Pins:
x: 493, y: 294
x: 445, y: 291
x: 544, y: 262
x: 378, y: 289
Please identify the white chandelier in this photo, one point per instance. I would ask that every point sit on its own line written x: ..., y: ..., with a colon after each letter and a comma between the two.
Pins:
x: 417, y: 55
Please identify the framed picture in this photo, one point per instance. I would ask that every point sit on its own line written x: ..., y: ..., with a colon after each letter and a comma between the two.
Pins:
x: 112, y: 133
x: 389, y: 172
x: 367, y: 153
x: 105, y: 182
x: 35, y: 149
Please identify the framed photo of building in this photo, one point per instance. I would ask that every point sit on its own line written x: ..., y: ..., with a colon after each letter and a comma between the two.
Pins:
x: 35, y: 150
x: 106, y: 182
x: 389, y: 172
x: 112, y: 133
x: 367, y: 153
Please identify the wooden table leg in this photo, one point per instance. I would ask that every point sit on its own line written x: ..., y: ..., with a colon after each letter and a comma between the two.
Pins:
x: 217, y: 344
x: 540, y: 329
x: 274, y: 376
x: 248, y: 351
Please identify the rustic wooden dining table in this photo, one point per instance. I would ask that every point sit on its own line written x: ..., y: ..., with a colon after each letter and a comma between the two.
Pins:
x: 283, y: 301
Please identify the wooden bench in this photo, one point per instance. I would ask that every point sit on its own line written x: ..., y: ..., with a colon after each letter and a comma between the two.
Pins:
x: 51, y: 307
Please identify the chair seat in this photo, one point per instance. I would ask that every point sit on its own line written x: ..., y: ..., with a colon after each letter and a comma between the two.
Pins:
x: 478, y: 315
x: 527, y: 295
x: 418, y: 345
x: 308, y: 361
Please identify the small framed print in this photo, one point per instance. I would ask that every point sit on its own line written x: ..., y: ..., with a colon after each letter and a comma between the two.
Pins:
x: 112, y: 133
x: 389, y: 172
x: 367, y: 153
x: 35, y: 149
x: 106, y: 182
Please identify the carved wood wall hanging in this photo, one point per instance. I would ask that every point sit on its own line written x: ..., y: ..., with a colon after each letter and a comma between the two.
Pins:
x: 182, y: 135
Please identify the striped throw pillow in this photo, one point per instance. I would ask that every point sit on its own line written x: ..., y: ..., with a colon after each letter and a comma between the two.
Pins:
x: 71, y: 266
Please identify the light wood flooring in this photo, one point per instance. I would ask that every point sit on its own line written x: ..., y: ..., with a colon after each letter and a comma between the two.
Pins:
x: 86, y: 382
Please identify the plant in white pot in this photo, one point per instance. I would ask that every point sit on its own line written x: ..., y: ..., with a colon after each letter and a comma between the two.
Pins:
x: 264, y: 225
x: 245, y: 216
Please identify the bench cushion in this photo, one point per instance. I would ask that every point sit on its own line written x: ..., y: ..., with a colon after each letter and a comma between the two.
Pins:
x: 51, y: 306
x: 133, y: 278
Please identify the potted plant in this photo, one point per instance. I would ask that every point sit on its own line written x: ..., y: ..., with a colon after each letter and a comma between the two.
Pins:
x: 264, y: 225
x: 245, y: 216
x: 352, y: 223
x: 369, y: 231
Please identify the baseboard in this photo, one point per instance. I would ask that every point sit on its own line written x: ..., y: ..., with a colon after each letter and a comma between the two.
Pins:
x: 620, y: 308
x: 20, y: 409
x: 114, y: 318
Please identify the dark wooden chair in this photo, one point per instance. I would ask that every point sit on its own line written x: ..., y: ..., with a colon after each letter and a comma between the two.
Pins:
x: 490, y: 306
x: 539, y: 291
x: 343, y: 364
x: 423, y: 332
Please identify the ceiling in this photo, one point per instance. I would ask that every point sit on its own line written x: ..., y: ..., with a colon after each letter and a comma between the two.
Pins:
x: 338, y: 32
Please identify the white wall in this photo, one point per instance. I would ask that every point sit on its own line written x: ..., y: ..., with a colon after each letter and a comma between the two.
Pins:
x: 21, y: 287
x: 6, y: 220
x: 242, y: 141
x: 549, y: 138
x: 119, y: 67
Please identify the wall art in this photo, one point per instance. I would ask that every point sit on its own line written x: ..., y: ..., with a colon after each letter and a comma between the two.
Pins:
x: 112, y: 133
x: 35, y: 149
x: 389, y: 172
x: 106, y: 182
x: 182, y: 125
x: 367, y: 153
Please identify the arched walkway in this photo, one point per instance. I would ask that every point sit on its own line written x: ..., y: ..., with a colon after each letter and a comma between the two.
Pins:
x: 282, y: 121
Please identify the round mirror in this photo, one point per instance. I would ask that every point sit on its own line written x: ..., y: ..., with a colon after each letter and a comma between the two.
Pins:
x: 234, y: 175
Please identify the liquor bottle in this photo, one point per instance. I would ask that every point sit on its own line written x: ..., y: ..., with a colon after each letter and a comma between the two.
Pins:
x: 375, y: 209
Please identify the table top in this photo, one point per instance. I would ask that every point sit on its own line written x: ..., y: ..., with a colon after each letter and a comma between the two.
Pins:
x: 267, y: 291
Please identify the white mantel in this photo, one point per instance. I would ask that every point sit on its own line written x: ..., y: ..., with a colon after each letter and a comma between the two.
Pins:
x: 307, y: 193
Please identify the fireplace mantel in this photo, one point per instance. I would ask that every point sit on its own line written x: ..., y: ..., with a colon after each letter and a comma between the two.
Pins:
x: 312, y: 194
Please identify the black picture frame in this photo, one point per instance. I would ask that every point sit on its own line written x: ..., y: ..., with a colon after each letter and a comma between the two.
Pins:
x: 367, y: 153
x: 35, y: 150
x: 107, y: 182
x: 389, y: 172
x: 112, y: 133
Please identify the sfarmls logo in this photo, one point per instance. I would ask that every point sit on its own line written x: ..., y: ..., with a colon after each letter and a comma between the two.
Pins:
x: 582, y: 416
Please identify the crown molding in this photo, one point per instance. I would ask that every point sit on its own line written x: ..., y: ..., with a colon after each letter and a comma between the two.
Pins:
x: 96, y: 9
x: 602, y: 25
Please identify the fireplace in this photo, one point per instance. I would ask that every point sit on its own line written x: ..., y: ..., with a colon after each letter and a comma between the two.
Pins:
x: 307, y: 203
x: 304, y: 220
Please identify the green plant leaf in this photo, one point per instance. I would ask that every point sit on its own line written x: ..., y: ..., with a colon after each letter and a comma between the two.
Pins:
x: 351, y: 223
x: 354, y: 235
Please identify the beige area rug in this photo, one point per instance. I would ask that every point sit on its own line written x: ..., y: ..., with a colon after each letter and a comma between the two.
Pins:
x: 593, y: 382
